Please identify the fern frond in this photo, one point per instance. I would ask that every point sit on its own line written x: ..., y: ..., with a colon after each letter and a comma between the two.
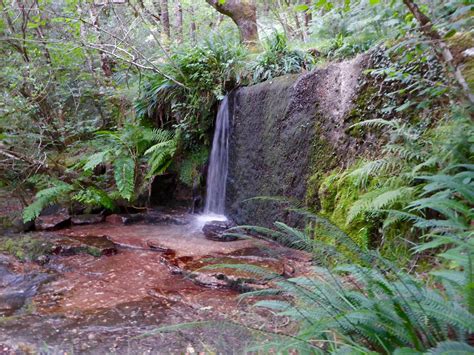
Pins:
x: 378, y: 200
x: 378, y: 123
x: 94, y: 197
x: 374, y: 168
x: 124, y: 173
x: 45, y: 198
x: 95, y: 159
x: 452, y: 347
x: 160, y: 155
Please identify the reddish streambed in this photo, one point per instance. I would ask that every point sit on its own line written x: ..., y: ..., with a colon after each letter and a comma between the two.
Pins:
x: 148, y: 277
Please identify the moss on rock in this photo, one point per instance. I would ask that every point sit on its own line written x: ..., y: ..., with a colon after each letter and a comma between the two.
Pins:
x: 25, y: 247
x: 337, y: 194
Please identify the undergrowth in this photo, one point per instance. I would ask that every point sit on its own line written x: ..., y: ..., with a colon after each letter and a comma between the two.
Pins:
x: 365, y: 303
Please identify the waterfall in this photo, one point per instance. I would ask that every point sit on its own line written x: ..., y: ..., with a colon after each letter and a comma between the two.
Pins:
x: 218, y: 163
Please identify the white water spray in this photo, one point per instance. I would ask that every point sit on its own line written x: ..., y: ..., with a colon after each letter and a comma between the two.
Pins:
x: 214, y: 206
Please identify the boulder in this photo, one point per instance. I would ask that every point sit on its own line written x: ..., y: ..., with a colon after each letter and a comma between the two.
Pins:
x: 21, y: 227
x: 215, y: 230
x: 115, y: 219
x: 53, y: 218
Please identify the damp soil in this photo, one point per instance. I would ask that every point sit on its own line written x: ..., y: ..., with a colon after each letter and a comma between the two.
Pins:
x: 114, y: 288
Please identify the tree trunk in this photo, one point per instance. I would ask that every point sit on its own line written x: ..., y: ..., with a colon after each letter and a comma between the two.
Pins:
x: 179, y: 21
x: 308, y: 16
x: 439, y: 46
x: 193, y: 25
x: 165, y: 21
x: 106, y: 62
x: 299, y: 28
x: 244, y: 14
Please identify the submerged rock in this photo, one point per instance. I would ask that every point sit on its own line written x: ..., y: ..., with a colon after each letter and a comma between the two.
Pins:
x: 216, y: 230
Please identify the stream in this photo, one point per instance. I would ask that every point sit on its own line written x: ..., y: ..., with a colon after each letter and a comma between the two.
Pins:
x: 109, y: 288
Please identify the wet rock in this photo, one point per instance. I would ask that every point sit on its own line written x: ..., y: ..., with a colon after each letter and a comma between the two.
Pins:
x: 114, y: 219
x: 6, y: 349
x: 87, y: 219
x: 96, y: 246
x: 277, y: 125
x: 43, y: 259
x: 231, y: 272
x: 152, y: 217
x: 133, y: 218
x: 215, y: 230
x: 53, y: 218
x: 176, y: 219
x: 17, y: 287
x: 154, y: 245
x: 20, y: 227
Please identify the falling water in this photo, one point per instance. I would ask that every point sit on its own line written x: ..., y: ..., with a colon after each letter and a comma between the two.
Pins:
x: 218, y: 164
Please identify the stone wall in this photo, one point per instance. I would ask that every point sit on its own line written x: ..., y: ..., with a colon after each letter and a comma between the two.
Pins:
x: 286, y: 134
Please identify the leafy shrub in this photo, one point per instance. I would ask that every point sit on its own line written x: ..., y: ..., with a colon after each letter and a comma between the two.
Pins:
x: 125, y: 152
x: 354, y: 27
x: 202, y: 75
x: 367, y: 303
x: 278, y: 59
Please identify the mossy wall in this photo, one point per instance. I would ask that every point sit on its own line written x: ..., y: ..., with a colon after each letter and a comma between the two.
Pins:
x: 287, y: 135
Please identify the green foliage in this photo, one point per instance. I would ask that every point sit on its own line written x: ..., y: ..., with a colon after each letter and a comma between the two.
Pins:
x: 45, y: 198
x: 126, y: 152
x: 205, y: 71
x: 161, y: 154
x: 347, y: 28
x: 278, y: 59
x: 189, y: 170
x: 337, y: 195
x: 359, y: 200
x: 25, y: 248
x: 370, y: 300
x: 124, y: 173
x: 93, y: 196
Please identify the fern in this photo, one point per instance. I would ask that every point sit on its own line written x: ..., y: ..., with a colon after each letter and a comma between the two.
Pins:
x: 451, y: 347
x: 382, y: 306
x: 379, y: 200
x: 94, y: 197
x: 189, y: 169
x: 45, y: 198
x: 95, y: 159
x: 384, y: 166
x: 124, y: 174
x: 160, y: 155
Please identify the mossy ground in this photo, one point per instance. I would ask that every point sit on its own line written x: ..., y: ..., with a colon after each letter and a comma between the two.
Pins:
x: 31, y: 248
x: 25, y: 247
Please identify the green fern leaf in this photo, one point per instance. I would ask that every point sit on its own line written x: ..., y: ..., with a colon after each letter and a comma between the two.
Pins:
x: 45, y: 198
x: 452, y: 348
x: 94, y: 160
x: 124, y: 173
